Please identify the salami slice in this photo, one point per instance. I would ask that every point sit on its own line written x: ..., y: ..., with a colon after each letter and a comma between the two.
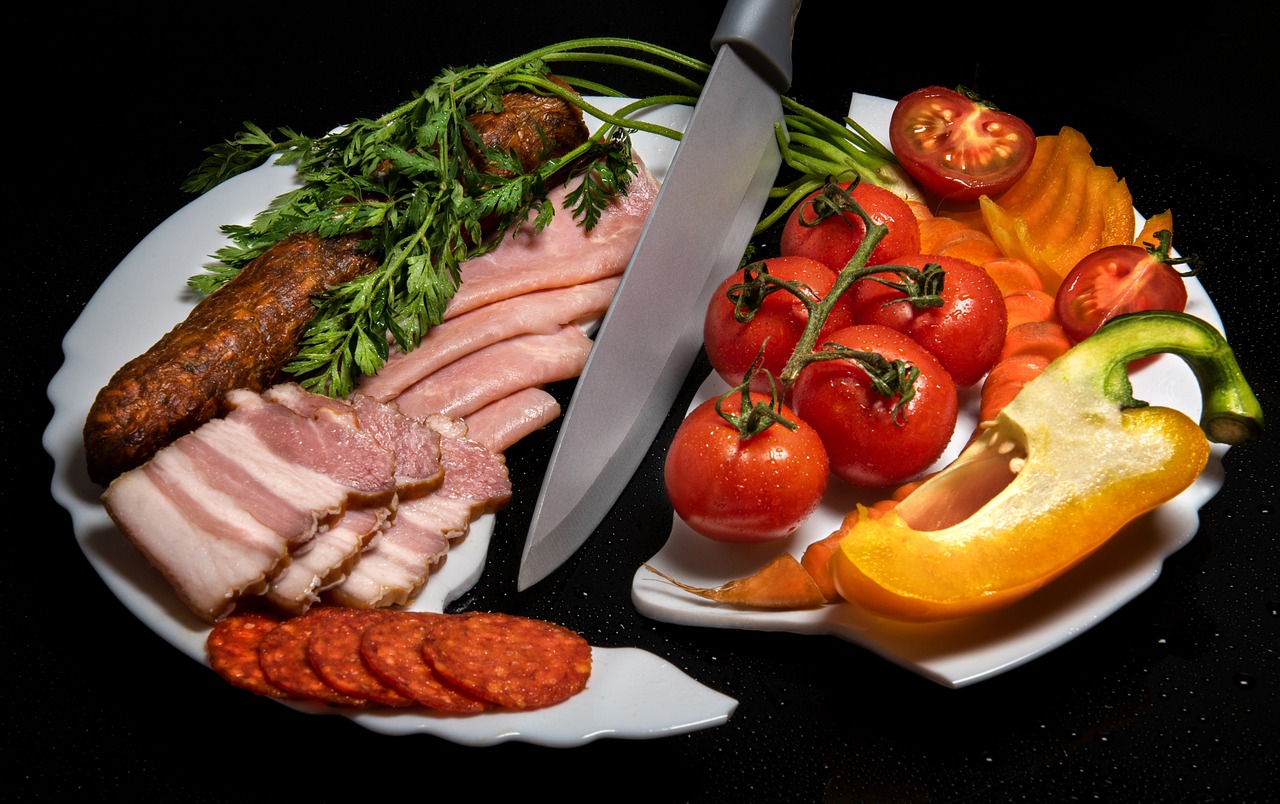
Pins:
x: 283, y: 655
x: 334, y: 651
x: 512, y: 661
x: 393, y: 650
x: 232, y: 647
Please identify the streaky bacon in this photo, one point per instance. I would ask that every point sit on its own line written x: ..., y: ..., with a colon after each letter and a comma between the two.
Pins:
x: 399, y: 560
x: 326, y: 559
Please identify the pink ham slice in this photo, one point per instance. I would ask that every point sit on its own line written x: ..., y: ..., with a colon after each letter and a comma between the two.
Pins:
x: 562, y: 254
x: 502, y: 423
x: 540, y: 312
x: 399, y: 561
x: 494, y: 372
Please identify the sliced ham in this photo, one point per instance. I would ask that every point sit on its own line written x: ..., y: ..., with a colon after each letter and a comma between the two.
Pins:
x: 543, y: 311
x: 500, y: 424
x: 494, y: 372
x: 562, y: 254
x: 399, y: 561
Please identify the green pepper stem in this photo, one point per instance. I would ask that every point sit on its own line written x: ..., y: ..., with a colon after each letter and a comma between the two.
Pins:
x: 1230, y: 412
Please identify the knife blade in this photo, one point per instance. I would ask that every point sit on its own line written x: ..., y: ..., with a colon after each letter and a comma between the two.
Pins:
x: 695, y: 236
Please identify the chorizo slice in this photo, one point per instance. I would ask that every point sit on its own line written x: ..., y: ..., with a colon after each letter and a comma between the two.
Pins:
x: 515, y: 662
x: 232, y: 649
x: 285, y: 662
x: 334, y: 652
x: 393, y: 649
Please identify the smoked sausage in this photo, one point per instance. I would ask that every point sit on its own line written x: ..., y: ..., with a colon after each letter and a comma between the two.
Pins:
x: 239, y: 336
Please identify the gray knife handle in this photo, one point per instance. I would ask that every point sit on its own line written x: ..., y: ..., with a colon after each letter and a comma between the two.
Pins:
x: 760, y: 31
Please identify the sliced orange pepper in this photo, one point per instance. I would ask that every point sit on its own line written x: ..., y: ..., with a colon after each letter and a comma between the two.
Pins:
x: 1064, y: 208
x: 1067, y: 464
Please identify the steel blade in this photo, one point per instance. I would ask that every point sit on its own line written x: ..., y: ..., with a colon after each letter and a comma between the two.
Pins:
x: 696, y: 235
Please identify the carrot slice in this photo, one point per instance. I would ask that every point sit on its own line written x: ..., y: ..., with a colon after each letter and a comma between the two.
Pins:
x: 817, y: 561
x: 936, y: 230
x: 1028, y: 305
x: 920, y: 210
x: 1012, y: 274
x: 1044, y: 338
x: 1005, y: 380
x: 781, y: 584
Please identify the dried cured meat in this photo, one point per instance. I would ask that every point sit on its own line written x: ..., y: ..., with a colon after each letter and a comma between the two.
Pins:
x: 393, y: 649
x: 232, y: 647
x: 241, y: 336
x: 515, y: 662
x: 286, y: 664
x: 334, y: 652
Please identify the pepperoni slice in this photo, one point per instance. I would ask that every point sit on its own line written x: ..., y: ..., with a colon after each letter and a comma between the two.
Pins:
x: 393, y: 650
x: 334, y: 651
x: 285, y: 663
x: 232, y: 647
x: 513, y: 661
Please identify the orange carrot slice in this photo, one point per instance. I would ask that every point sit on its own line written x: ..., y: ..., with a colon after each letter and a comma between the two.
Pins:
x: 920, y: 210
x: 781, y: 584
x: 1028, y: 305
x: 1044, y: 338
x: 1006, y: 379
x: 1012, y: 275
x: 816, y: 562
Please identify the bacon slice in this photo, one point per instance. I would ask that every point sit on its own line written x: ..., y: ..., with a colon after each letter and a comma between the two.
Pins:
x: 399, y: 560
x: 326, y: 559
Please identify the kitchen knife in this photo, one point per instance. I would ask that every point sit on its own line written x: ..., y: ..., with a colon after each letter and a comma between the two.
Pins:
x: 695, y: 236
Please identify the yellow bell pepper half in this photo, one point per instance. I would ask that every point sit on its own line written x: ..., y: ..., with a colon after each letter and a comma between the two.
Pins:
x: 1067, y: 464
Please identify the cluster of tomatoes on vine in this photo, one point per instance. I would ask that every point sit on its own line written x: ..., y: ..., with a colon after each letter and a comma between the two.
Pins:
x: 845, y: 355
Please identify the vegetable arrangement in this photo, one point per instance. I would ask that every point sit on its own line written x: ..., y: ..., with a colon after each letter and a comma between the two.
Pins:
x: 1063, y: 457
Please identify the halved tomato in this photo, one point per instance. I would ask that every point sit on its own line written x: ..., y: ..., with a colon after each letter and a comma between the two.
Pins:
x: 1119, y: 279
x: 957, y: 147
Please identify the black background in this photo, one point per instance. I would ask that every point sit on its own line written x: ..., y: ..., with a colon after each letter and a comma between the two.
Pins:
x: 1173, y: 698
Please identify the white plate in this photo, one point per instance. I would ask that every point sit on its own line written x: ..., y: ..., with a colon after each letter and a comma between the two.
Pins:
x: 632, y: 693
x: 959, y: 652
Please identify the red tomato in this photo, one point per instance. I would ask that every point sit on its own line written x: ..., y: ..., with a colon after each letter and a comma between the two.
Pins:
x: 965, y: 334
x: 957, y: 147
x: 732, y: 346
x: 751, y: 490
x: 833, y: 240
x: 1115, y: 280
x: 867, y: 444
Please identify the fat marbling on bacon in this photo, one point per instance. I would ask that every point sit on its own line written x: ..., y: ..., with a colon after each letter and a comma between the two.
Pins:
x: 220, y: 511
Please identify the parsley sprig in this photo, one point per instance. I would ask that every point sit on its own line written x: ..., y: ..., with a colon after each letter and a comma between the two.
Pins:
x: 406, y: 185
